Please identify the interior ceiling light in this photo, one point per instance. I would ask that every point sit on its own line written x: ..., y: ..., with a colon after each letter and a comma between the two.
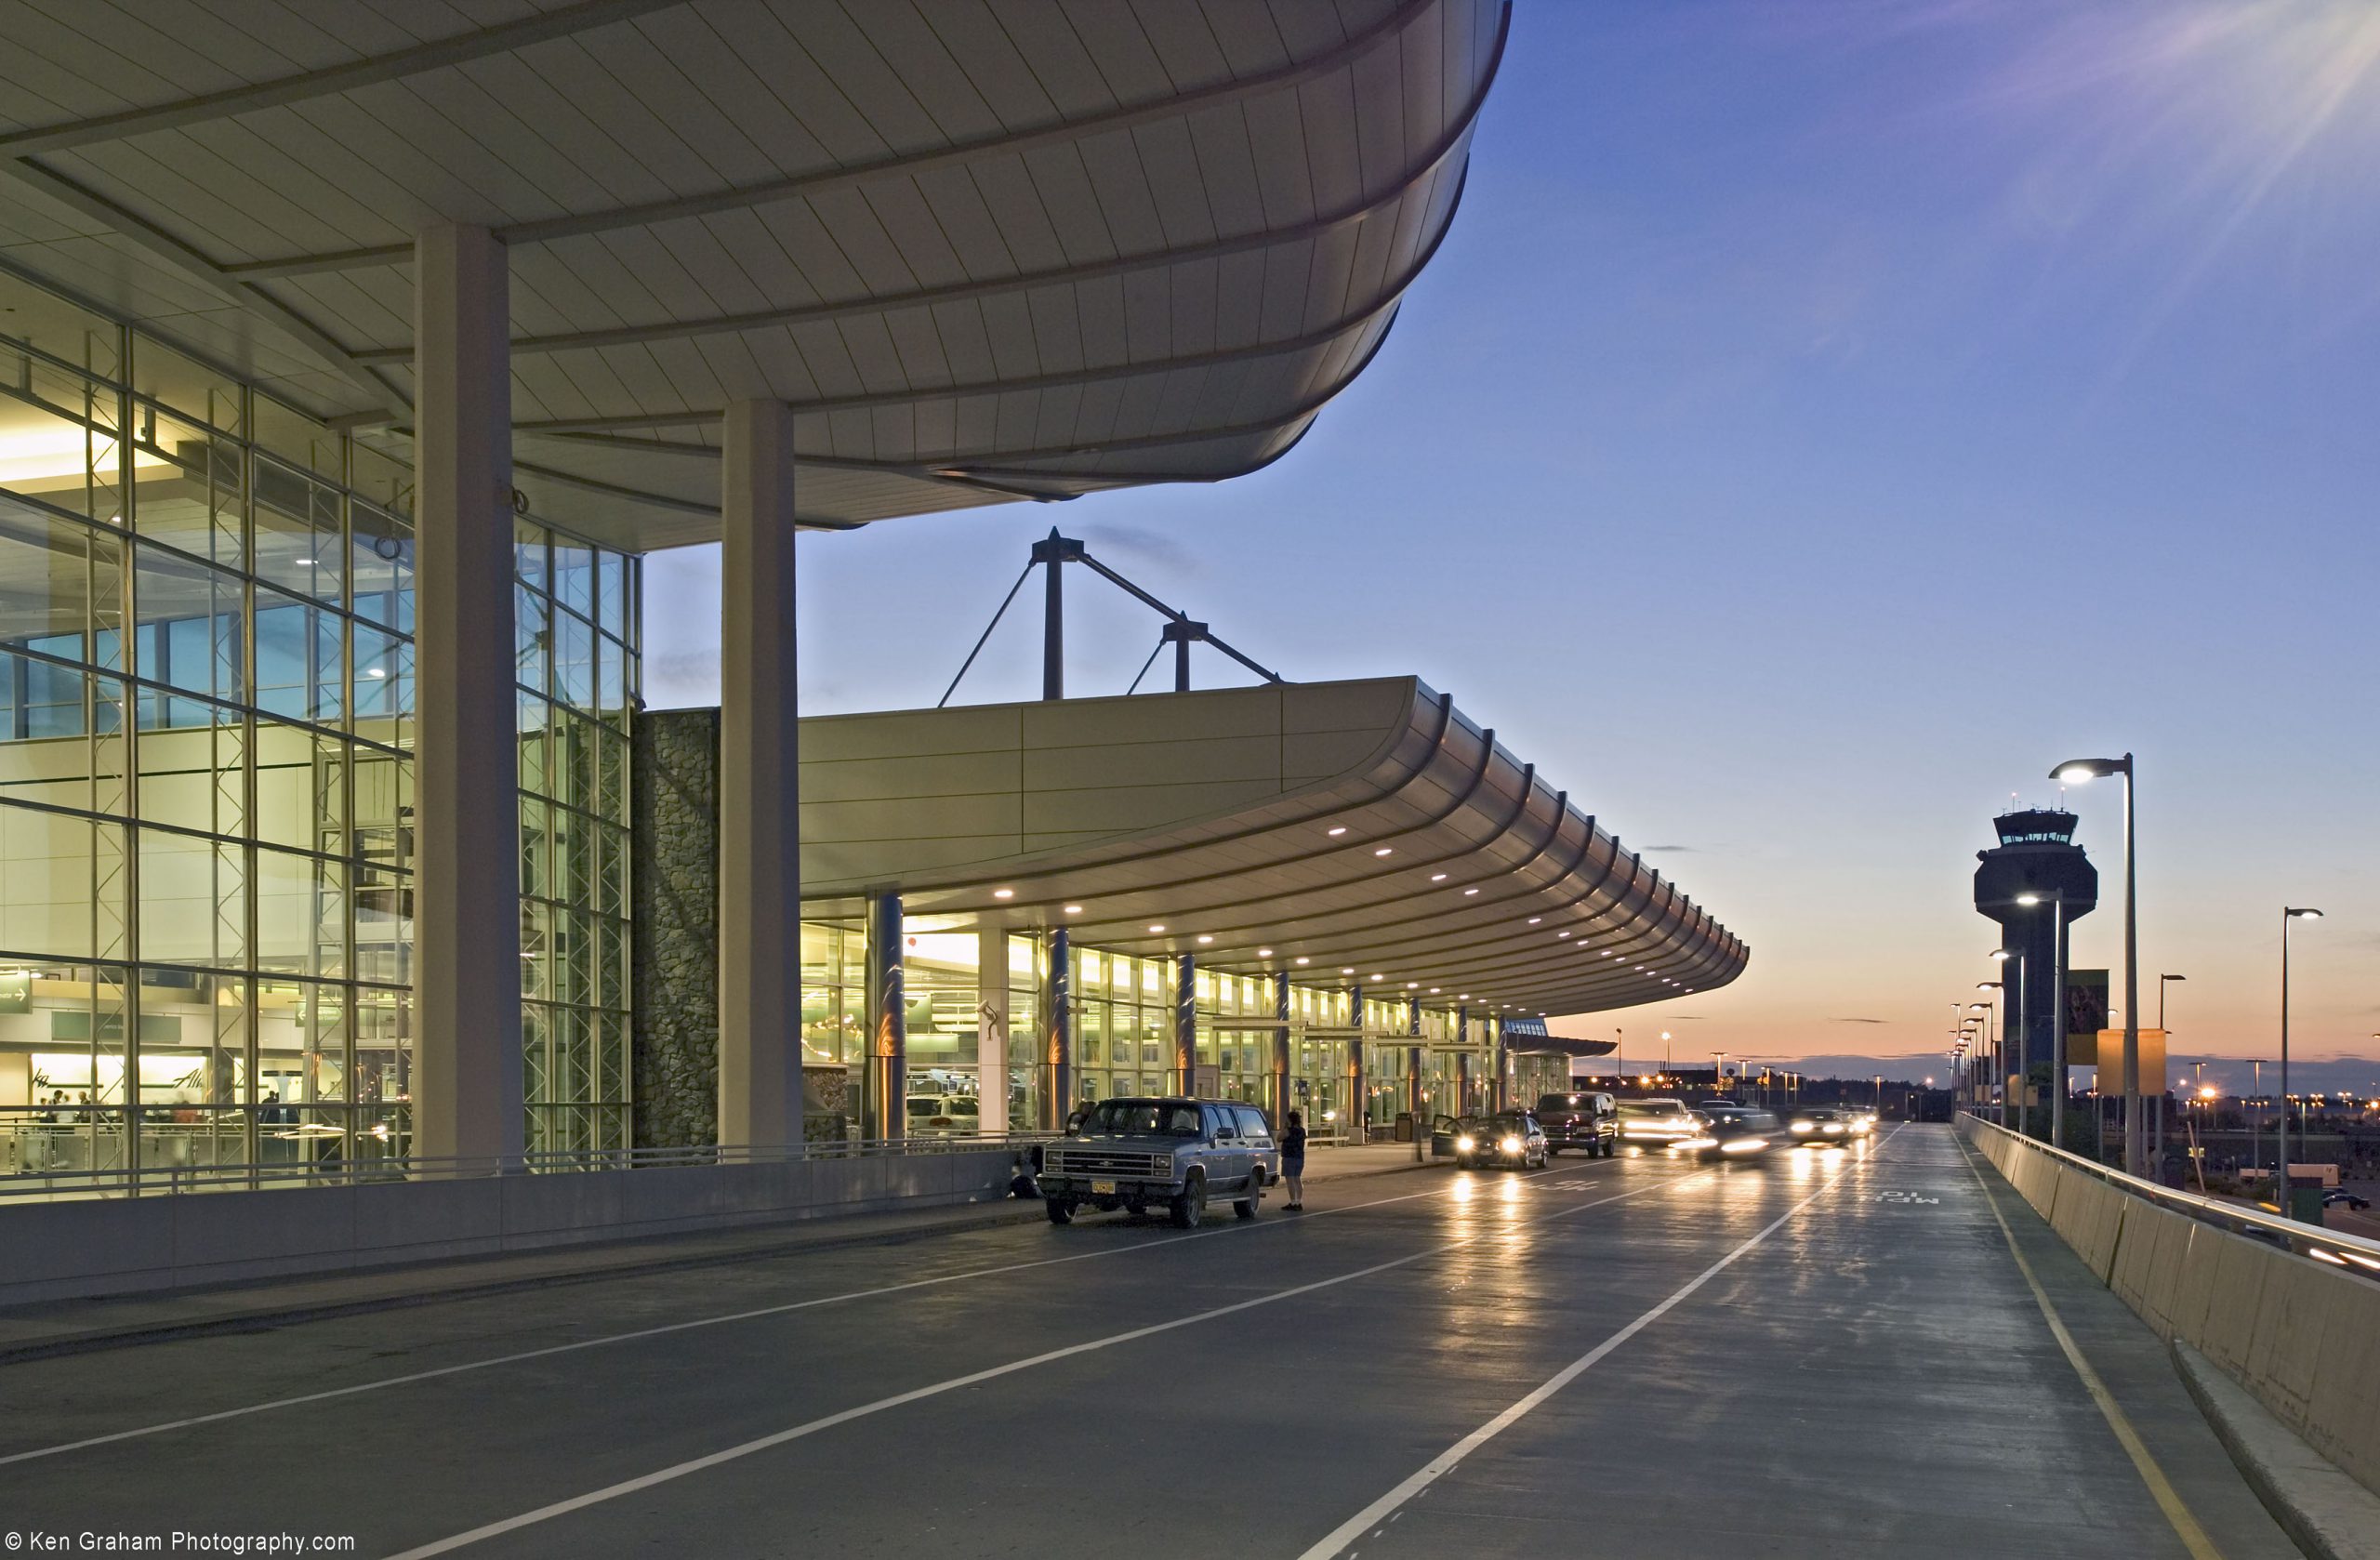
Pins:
x: 1337, y: 829
x: 1437, y: 876
x: 1073, y: 909
x: 1468, y: 892
x: 1534, y: 920
x: 1305, y: 961
x: 1206, y: 936
x: 1003, y: 893
x: 1348, y: 969
x: 1561, y: 935
x: 1261, y: 952
x: 1385, y: 850
x: 1157, y: 926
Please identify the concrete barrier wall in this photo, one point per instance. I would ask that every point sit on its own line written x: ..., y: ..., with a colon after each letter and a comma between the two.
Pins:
x: 2302, y: 1337
x: 65, y: 1251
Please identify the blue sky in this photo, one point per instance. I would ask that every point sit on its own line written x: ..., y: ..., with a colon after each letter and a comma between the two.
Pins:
x: 1822, y: 418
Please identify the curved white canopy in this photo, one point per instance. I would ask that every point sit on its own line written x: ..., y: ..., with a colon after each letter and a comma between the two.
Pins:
x: 1348, y: 833
x: 987, y: 249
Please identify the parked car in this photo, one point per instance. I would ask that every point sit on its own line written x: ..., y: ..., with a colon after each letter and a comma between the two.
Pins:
x: 1588, y: 1120
x: 1139, y: 1152
x: 943, y: 1113
x: 2341, y: 1198
x: 1510, y: 1138
x: 1657, y: 1123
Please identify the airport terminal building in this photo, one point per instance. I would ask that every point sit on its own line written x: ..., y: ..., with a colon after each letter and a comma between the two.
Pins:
x: 345, y: 376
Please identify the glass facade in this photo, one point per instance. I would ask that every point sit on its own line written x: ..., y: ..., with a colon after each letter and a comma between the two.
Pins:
x: 1122, y: 1010
x: 206, y: 788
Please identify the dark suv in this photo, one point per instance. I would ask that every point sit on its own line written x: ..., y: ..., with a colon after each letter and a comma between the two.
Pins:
x: 1133, y: 1153
x: 1585, y: 1119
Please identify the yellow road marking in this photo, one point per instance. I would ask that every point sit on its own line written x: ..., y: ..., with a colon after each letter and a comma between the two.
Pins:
x: 2168, y: 1501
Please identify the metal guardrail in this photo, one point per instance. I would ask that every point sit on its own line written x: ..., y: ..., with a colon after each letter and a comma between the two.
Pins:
x: 361, y: 1169
x: 2351, y: 1253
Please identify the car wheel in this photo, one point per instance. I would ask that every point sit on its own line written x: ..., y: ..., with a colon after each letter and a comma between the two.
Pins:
x: 1059, y: 1210
x: 1246, y: 1207
x: 1191, y: 1206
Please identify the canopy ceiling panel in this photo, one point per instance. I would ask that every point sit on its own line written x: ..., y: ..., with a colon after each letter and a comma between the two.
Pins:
x: 1342, y: 831
x: 998, y: 248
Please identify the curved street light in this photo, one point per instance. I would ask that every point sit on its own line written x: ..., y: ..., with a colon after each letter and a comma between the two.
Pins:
x: 2288, y: 914
x: 2074, y: 772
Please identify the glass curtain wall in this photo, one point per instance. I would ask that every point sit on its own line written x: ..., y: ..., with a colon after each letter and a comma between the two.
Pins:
x: 206, y: 788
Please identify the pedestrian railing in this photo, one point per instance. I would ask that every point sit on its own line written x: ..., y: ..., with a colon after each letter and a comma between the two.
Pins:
x: 2348, y: 1252
x: 329, y: 1164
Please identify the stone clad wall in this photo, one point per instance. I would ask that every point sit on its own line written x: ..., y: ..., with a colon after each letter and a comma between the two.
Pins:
x: 674, y: 1043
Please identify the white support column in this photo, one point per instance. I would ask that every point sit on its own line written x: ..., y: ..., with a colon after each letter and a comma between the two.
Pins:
x: 467, y: 1074
x: 991, y: 1028
x: 760, y: 839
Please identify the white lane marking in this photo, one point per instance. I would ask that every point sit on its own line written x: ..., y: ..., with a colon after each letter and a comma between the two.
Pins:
x: 812, y: 1427
x: 1365, y: 1522
x: 328, y: 1394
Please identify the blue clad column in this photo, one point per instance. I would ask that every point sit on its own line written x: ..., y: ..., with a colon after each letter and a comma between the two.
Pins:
x: 1185, y: 1024
x: 1355, y: 1112
x: 1463, y: 1060
x: 1413, y: 1100
x: 882, y: 1087
x: 467, y: 1074
x: 1057, y: 1068
x: 760, y: 835
x: 1502, y: 1098
x: 1280, y: 1090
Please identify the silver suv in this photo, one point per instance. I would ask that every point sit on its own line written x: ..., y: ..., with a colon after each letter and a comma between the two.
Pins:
x: 1137, y: 1153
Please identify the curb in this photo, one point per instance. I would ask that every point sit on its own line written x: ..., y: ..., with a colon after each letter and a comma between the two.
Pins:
x: 264, y: 1318
x: 2324, y: 1512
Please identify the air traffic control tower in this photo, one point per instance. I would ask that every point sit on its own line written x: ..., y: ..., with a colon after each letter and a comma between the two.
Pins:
x: 2035, y: 883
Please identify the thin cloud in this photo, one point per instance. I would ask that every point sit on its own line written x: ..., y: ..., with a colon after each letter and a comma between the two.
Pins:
x: 1673, y: 850
x: 1861, y: 1021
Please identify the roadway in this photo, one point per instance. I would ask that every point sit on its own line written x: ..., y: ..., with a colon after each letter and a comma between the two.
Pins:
x: 1818, y: 1355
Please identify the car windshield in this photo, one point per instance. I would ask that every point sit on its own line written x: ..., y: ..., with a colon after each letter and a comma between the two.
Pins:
x: 1651, y: 1108
x: 1556, y: 1104
x: 1144, y: 1118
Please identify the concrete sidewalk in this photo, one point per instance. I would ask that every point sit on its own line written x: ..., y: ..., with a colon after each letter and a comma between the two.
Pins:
x: 76, y: 1326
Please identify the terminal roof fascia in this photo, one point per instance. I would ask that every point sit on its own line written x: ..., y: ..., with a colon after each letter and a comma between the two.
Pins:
x: 987, y: 252
x: 1347, y: 833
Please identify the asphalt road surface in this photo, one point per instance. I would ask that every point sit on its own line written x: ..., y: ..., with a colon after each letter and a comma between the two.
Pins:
x: 1823, y: 1354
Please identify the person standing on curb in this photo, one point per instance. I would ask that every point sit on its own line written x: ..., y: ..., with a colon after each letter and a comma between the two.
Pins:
x: 1293, y: 1161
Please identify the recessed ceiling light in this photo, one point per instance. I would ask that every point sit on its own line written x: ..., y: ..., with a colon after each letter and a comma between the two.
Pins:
x: 1561, y: 935
x: 1305, y: 961
x: 1206, y: 936
x: 1379, y: 977
x: 1348, y: 970
x: 1073, y: 909
x: 1462, y: 996
x: 1434, y: 991
x: 1337, y: 829
x: 1411, y: 985
x: 1385, y: 850
x: 1534, y: 920
x: 1437, y: 876
x: 1261, y: 952
x: 1003, y: 893
x: 1468, y: 892
x: 1157, y: 926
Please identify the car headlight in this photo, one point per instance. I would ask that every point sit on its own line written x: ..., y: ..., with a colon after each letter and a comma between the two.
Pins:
x: 1700, y: 1142
x: 1804, y: 1126
x: 1834, y: 1128
x: 1465, y: 1144
x: 1743, y: 1146
x: 1510, y: 1145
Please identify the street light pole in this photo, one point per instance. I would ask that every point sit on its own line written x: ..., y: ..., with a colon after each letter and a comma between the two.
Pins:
x: 2281, y: 1170
x: 2091, y: 769
x: 2164, y: 1071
